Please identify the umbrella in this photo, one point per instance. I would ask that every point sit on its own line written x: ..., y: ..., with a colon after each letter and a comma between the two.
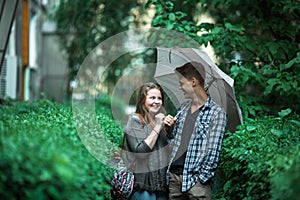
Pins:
x: 219, y: 85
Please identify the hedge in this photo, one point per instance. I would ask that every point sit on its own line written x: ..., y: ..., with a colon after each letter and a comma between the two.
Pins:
x: 42, y: 156
x: 261, y: 160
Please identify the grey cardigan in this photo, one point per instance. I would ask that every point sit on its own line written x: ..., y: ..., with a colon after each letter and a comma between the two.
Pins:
x: 149, y: 164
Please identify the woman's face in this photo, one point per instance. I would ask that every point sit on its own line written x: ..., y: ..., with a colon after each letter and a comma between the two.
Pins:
x: 153, y: 101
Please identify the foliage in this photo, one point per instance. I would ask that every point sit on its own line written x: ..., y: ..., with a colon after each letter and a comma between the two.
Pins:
x: 260, y: 156
x: 82, y: 25
x: 257, y: 43
x: 42, y: 157
x: 285, y: 183
x: 104, y: 104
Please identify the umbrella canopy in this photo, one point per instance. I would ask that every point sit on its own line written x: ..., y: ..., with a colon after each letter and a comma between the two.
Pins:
x: 218, y: 84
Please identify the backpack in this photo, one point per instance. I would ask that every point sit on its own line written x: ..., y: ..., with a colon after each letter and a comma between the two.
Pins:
x: 122, y: 184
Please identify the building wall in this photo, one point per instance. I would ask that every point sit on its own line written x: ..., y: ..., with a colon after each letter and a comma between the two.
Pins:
x: 54, y: 81
x: 45, y: 70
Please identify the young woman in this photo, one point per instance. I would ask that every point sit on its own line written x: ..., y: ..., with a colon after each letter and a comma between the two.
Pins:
x: 146, y: 145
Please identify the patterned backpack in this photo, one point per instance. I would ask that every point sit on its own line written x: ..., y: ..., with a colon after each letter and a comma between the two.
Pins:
x: 122, y: 184
x: 123, y: 180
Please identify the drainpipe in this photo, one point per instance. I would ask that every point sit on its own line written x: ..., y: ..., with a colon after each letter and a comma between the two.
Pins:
x: 25, y: 44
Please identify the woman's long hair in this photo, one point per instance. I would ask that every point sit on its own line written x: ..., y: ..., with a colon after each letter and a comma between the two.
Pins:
x: 141, y: 98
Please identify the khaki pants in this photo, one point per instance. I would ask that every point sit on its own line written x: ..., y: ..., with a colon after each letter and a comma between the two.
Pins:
x: 198, y: 191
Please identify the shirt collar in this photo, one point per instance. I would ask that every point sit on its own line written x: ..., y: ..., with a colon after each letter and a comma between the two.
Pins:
x: 207, y: 103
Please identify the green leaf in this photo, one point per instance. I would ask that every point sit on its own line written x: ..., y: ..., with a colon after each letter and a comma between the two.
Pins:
x: 169, y: 5
x: 270, y: 71
x: 227, y: 186
x: 169, y: 25
x: 187, y: 27
x: 284, y: 113
x: 172, y: 17
x: 272, y: 82
x: 273, y: 48
x: 230, y: 27
x: 216, y: 30
x: 276, y: 132
x: 251, y: 128
x: 295, y: 122
x: 286, y: 86
x: 290, y: 63
x: 180, y: 15
x: 159, y: 8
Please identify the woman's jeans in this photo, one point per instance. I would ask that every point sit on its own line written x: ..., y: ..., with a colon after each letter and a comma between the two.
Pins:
x: 145, y: 195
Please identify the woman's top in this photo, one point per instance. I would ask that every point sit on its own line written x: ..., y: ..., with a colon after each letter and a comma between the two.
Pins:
x: 149, y: 165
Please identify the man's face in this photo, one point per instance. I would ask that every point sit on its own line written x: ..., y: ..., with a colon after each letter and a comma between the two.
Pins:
x: 186, y: 86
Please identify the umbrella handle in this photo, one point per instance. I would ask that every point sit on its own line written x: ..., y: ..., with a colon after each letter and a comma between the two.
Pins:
x: 179, y: 112
x: 170, y: 56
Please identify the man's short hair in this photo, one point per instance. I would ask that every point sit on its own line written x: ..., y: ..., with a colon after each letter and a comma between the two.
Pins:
x: 192, y: 69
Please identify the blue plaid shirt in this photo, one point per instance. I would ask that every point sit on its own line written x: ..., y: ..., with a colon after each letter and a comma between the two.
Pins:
x: 205, y: 144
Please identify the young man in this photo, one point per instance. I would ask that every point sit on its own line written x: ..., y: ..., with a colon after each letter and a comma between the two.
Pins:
x: 196, y: 137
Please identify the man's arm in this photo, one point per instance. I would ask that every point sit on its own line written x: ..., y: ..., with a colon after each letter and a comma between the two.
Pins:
x: 213, y: 146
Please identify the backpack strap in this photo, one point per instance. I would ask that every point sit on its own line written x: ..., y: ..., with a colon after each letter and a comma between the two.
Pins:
x: 132, y: 167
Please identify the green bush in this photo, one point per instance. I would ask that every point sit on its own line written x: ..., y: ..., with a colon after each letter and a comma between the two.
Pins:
x: 105, y: 104
x: 255, y: 158
x: 285, y: 182
x: 42, y: 156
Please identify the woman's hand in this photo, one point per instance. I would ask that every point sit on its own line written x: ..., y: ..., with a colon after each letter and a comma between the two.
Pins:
x: 152, y: 137
x: 169, y: 120
x: 159, y: 119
